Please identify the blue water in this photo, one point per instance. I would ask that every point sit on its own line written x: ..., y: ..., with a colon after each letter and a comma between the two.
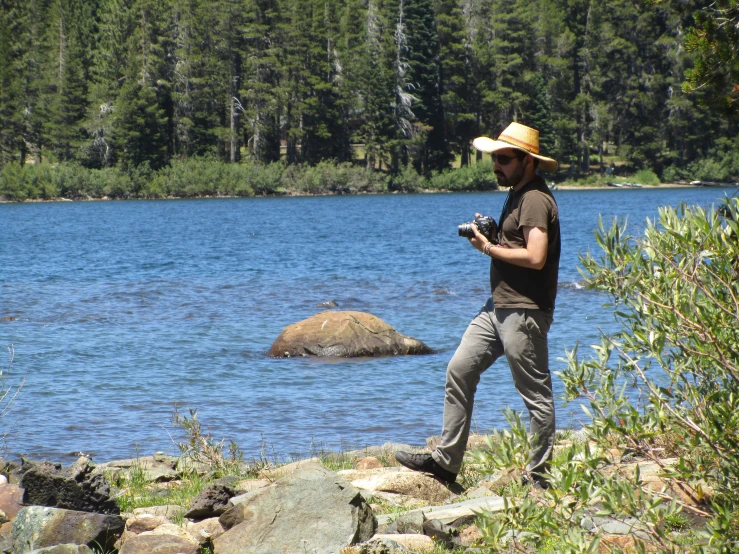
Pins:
x: 121, y: 311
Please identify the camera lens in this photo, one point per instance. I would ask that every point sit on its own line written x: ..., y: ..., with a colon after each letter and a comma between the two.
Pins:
x: 465, y: 230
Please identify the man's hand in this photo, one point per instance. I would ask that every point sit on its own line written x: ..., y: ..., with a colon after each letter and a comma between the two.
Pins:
x: 532, y: 256
x: 479, y: 240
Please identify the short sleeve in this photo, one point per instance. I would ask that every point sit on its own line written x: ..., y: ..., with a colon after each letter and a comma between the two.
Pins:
x: 535, y: 210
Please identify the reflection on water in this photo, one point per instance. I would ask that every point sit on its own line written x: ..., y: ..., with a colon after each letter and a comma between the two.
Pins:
x: 122, y: 311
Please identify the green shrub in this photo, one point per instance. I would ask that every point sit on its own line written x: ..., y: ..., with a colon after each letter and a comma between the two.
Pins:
x: 262, y: 179
x: 676, y: 289
x: 331, y: 178
x: 645, y: 177
x: 470, y: 178
x: 408, y: 180
x: 723, y: 169
x: 673, y: 174
x: 665, y: 385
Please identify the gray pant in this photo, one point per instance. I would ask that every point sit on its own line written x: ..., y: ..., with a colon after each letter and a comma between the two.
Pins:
x: 520, y: 334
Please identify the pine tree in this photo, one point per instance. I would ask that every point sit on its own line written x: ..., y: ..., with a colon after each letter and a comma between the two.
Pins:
x: 109, y: 58
x: 11, y: 121
x: 557, y: 48
x: 293, y: 30
x: 423, y: 62
x: 455, y: 75
x: 372, y: 71
x: 325, y: 133
x: 197, y: 77
x: 230, y: 45
x: 403, y: 101
x: 27, y: 26
x: 261, y: 80
x: 142, y: 106
x: 64, y: 95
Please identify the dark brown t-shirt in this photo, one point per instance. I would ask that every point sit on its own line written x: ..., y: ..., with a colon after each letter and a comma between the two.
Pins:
x: 519, y: 287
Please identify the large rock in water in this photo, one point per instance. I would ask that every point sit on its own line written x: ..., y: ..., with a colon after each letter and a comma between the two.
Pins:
x: 344, y: 335
x: 311, y: 510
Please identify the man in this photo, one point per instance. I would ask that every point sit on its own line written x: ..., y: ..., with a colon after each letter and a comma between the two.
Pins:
x: 516, y: 319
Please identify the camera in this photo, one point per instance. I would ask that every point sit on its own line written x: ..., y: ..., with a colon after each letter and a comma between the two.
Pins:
x: 485, y: 224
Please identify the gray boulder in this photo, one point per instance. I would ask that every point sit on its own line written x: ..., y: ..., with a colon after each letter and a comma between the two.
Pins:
x: 410, y: 523
x: 158, y: 544
x: 38, y: 527
x: 73, y: 488
x: 156, y: 469
x: 311, y: 510
x: 212, y: 501
x: 344, y: 335
x: 64, y: 549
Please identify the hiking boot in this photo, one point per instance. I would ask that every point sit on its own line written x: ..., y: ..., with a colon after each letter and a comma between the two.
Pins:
x: 425, y: 463
x: 536, y: 480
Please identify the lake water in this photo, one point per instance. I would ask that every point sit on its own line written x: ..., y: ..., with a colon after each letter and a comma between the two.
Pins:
x: 121, y: 311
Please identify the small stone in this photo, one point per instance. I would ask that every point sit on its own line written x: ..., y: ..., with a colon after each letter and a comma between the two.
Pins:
x: 159, y: 544
x: 496, y: 483
x: 386, y: 449
x: 440, y: 532
x: 153, y: 471
x: 233, y: 516
x: 212, y: 501
x: 470, y: 535
x: 614, y: 454
x: 478, y: 492
x: 370, y: 462
x: 170, y: 529
x: 414, y: 543
x: 206, y: 530
x: 144, y: 522
x: 169, y: 511
x: 283, y: 470
x: 247, y: 485
x: 407, y: 524
x: 410, y: 483
x: 64, y: 549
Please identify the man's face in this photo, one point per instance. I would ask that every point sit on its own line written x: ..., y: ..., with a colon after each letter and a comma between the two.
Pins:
x: 508, y: 168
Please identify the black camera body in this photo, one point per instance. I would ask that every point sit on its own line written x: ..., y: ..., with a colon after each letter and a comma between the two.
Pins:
x: 485, y: 224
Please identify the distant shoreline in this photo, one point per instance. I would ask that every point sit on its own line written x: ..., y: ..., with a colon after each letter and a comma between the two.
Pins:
x: 660, y: 186
x: 303, y: 194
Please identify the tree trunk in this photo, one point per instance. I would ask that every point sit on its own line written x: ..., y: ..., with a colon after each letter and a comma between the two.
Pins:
x: 233, y: 130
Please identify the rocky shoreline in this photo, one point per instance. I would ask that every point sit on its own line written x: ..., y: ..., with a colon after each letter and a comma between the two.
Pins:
x: 358, y: 502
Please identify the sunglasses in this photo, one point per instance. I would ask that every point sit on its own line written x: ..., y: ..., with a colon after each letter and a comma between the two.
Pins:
x: 505, y: 160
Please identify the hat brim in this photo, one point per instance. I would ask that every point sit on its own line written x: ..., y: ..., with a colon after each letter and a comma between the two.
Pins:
x: 486, y: 144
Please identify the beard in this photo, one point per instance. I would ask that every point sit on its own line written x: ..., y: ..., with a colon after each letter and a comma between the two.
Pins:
x: 513, y: 179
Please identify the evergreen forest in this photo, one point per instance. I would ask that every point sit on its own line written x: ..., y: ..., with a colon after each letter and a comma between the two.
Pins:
x: 134, y: 89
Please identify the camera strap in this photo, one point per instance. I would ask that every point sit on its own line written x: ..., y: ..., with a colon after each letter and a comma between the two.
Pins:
x: 504, y: 212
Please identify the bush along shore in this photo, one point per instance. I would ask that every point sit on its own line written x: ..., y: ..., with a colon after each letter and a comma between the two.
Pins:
x: 199, y: 177
x: 208, y: 178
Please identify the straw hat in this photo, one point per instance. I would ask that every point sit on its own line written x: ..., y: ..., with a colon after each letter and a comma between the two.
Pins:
x: 521, y: 138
